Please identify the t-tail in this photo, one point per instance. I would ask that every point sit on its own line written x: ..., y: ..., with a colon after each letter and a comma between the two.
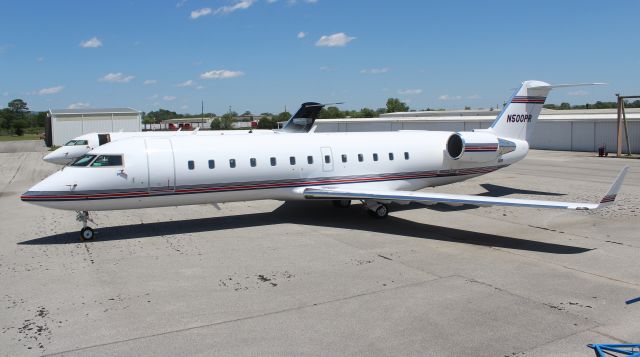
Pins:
x: 519, y: 117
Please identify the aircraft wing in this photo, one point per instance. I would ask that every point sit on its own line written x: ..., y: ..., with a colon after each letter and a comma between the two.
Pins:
x: 341, y: 193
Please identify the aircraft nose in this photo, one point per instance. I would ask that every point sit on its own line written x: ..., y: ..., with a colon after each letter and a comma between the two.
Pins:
x: 57, y: 157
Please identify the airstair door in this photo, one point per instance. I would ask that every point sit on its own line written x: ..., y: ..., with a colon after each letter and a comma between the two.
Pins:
x: 162, y: 175
x: 327, y: 159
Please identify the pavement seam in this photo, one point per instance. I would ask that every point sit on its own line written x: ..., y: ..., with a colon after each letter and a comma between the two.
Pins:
x: 252, y: 317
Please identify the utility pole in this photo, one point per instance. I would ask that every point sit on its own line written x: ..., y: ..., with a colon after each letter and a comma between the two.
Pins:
x: 202, y: 116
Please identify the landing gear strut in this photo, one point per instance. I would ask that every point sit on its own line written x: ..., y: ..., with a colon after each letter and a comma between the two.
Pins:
x: 342, y: 203
x: 86, y: 233
x: 377, y: 210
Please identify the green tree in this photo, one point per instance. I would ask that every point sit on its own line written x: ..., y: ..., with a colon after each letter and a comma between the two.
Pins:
x: 267, y: 123
x: 368, y: 113
x: 18, y: 106
x: 19, y: 126
x: 565, y: 106
x: 395, y: 105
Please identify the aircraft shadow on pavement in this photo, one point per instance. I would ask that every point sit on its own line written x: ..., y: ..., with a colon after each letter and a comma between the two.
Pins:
x: 314, y: 214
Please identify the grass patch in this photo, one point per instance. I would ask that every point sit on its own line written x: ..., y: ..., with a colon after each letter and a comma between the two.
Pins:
x: 19, y: 138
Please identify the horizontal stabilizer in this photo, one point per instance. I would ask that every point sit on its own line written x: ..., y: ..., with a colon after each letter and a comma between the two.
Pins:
x: 553, y: 86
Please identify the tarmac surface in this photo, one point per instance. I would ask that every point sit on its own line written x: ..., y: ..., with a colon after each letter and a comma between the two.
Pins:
x: 305, y: 278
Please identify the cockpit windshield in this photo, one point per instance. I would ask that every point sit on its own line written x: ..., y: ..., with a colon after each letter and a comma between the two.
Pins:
x: 83, y: 160
x: 107, y: 160
x: 76, y: 142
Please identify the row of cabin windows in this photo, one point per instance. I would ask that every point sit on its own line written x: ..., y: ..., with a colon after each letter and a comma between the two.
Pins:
x: 292, y: 160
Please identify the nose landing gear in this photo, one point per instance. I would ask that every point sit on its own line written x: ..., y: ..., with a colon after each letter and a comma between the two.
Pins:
x: 86, y: 233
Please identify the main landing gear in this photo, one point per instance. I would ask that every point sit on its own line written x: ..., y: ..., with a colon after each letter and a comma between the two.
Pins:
x: 375, y: 209
x: 86, y: 233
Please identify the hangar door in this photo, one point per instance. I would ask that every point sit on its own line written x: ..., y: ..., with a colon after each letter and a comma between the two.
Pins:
x: 162, y: 175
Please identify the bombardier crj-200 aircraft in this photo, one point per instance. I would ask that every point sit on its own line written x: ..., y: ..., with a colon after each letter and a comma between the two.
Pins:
x: 376, y: 168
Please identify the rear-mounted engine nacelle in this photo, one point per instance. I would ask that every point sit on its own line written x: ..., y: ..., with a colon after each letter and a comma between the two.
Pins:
x: 473, y: 146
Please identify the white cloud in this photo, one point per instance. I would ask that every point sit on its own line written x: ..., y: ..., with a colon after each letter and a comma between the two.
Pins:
x: 150, y: 81
x: 311, y: 1
x: 199, y: 87
x: 93, y: 42
x: 240, y: 5
x: 579, y: 93
x: 184, y: 107
x: 339, y: 39
x: 188, y: 83
x: 51, y: 90
x: 155, y: 96
x: 271, y: 1
x: 301, y: 34
x: 78, y: 105
x: 168, y: 98
x: 220, y: 74
x: 116, y: 78
x: 40, y: 59
x: 375, y: 70
x: 200, y: 12
x: 181, y: 3
x: 474, y: 97
x: 410, y: 91
x: 446, y: 97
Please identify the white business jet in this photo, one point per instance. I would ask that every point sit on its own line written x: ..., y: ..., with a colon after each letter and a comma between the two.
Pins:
x: 79, y: 146
x: 376, y: 168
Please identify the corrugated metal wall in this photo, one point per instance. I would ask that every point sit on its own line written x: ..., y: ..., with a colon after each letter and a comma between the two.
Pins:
x: 67, y: 127
x: 566, y: 135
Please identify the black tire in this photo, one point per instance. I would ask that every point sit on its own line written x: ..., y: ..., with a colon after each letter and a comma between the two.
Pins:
x: 342, y: 203
x: 382, y: 211
x: 87, y: 233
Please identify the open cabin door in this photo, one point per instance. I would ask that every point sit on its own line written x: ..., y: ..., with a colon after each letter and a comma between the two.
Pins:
x: 103, y: 139
x: 162, y: 175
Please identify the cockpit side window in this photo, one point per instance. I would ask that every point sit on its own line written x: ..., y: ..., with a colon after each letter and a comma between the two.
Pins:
x: 83, y: 160
x: 70, y: 143
x: 81, y: 142
x: 107, y: 160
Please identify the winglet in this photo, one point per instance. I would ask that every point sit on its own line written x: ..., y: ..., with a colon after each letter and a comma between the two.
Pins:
x: 615, y: 187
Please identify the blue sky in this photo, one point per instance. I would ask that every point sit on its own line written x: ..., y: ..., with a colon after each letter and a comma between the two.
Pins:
x: 264, y: 55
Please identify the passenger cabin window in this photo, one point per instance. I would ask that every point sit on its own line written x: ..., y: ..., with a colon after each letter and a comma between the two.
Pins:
x: 191, y: 164
x: 292, y: 160
x: 344, y: 158
x: 107, y: 160
x: 375, y: 157
x: 391, y: 156
x: 232, y: 163
x: 273, y: 161
x: 310, y: 160
x: 360, y: 157
x: 406, y: 155
x: 83, y: 160
x: 252, y: 161
x: 212, y: 164
x: 327, y: 159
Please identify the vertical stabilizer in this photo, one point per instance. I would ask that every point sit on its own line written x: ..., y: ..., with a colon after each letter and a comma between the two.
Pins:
x: 519, y: 116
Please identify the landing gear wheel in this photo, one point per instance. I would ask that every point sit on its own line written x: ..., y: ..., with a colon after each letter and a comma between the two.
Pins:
x: 86, y: 233
x: 342, y: 203
x: 382, y: 211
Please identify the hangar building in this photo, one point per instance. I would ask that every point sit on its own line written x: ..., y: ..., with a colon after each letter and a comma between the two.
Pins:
x: 567, y: 130
x: 63, y: 125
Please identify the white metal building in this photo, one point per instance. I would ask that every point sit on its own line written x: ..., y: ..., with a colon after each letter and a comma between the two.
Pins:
x: 66, y: 124
x: 570, y: 130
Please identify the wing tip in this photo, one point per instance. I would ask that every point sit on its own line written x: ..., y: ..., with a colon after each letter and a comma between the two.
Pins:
x: 612, y: 194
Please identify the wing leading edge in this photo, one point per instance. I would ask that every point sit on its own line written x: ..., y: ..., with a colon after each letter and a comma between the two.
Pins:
x: 335, y: 193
